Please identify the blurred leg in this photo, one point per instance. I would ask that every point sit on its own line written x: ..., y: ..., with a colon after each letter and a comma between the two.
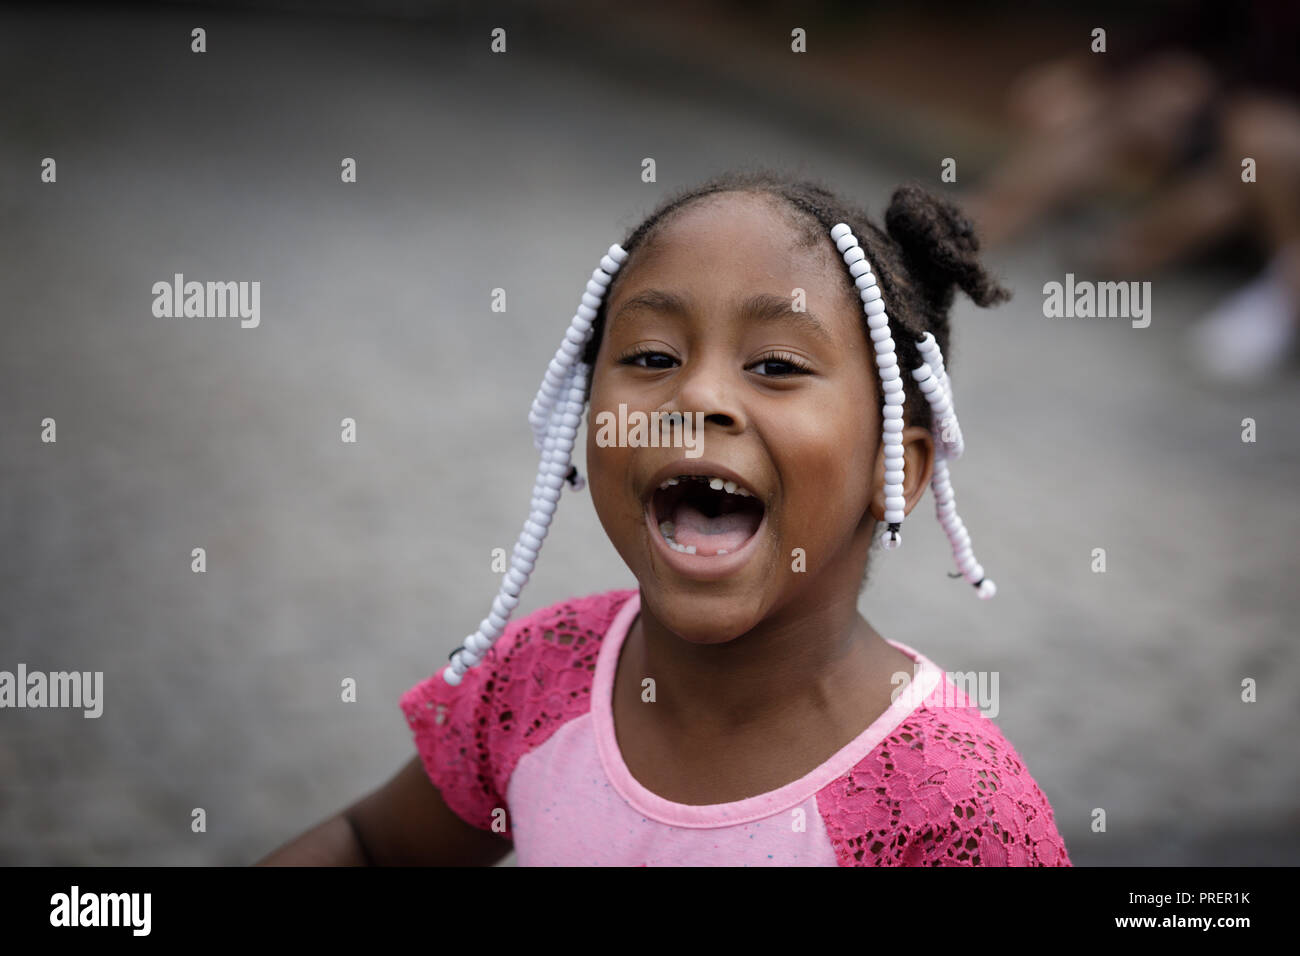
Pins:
x: 1197, y: 209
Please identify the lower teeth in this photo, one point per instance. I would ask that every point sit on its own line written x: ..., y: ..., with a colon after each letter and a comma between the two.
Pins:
x: 666, y: 528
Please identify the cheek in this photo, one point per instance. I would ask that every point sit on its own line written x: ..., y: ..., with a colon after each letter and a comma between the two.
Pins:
x: 828, y: 473
x: 609, y: 481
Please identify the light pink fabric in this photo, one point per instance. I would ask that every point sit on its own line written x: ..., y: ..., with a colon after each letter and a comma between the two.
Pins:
x: 528, y: 736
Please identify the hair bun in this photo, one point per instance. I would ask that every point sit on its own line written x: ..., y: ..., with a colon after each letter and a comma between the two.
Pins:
x: 940, y: 248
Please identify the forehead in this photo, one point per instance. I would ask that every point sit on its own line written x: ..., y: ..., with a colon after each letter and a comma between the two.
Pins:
x: 735, y: 243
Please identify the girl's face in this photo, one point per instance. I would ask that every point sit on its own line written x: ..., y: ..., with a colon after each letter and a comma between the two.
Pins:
x: 705, y: 320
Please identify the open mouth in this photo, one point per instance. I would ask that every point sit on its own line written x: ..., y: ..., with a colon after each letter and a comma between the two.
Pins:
x: 705, y: 515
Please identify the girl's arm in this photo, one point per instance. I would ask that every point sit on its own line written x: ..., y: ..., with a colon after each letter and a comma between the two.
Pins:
x: 403, y: 823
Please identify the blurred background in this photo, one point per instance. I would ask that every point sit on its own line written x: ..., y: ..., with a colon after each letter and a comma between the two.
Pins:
x: 325, y: 561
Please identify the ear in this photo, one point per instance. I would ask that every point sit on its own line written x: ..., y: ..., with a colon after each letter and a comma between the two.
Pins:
x: 918, y: 467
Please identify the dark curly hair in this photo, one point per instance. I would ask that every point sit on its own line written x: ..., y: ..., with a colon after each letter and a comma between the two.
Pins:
x: 926, y: 252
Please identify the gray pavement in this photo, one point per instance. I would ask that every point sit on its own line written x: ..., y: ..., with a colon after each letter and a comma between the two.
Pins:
x: 325, y: 561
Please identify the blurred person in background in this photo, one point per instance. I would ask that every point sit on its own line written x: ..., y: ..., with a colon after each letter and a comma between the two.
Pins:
x: 1172, y: 115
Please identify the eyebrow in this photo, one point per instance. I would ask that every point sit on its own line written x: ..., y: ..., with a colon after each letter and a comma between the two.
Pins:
x: 763, y: 307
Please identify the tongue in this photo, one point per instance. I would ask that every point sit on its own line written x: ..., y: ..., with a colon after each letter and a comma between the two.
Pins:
x: 726, y: 532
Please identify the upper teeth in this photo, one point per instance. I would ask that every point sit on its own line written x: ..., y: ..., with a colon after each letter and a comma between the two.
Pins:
x: 717, y: 484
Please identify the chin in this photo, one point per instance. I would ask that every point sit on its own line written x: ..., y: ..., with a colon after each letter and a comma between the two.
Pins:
x: 704, y: 613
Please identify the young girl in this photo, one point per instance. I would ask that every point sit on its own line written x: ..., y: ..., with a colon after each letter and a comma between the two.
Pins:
x: 734, y: 708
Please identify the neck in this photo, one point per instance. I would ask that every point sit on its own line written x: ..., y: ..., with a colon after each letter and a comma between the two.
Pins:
x: 791, y: 664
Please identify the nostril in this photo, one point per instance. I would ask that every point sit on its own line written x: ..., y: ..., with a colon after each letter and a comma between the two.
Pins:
x: 720, y: 419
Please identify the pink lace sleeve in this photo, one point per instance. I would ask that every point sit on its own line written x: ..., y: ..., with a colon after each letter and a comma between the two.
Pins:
x: 536, y: 677
x: 449, y: 724
x: 944, y: 789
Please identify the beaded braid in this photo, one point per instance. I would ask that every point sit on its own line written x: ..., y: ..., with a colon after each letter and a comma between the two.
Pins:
x: 555, y: 415
x: 932, y: 379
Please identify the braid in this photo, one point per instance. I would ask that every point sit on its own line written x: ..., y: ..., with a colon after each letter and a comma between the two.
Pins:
x: 927, y: 251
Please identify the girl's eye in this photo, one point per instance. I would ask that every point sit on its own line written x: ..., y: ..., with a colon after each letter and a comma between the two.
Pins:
x: 781, y: 364
x: 777, y: 364
x: 651, y: 358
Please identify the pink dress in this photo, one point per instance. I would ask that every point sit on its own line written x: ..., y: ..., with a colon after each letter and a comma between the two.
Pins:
x: 527, y: 740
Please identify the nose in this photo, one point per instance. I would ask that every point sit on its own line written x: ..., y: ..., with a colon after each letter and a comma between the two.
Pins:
x: 708, y: 385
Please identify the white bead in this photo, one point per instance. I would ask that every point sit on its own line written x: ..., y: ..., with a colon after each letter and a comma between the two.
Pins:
x: 880, y: 335
x: 601, y: 278
x: 596, y: 288
x: 509, y: 587
x: 894, y: 503
x: 590, y: 300
x: 859, y: 268
x: 878, y: 321
x: 571, y: 349
x: 893, y: 425
x: 890, y: 540
x: 893, y: 410
x: 865, y: 281
x: 608, y: 264
x: 846, y: 242
x: 587, y: 312
x: 839, y: 229
x: 875, y: 307
x: 872, y: 294
x: 884, y: 346
x: 986, y: 589
x: 451, y: 676
x: 888, y: 370
x: 921, y: 372
x: 854, y: 255
x: 616, y: 251
x: 893, y: 477
x: 892, y: 450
